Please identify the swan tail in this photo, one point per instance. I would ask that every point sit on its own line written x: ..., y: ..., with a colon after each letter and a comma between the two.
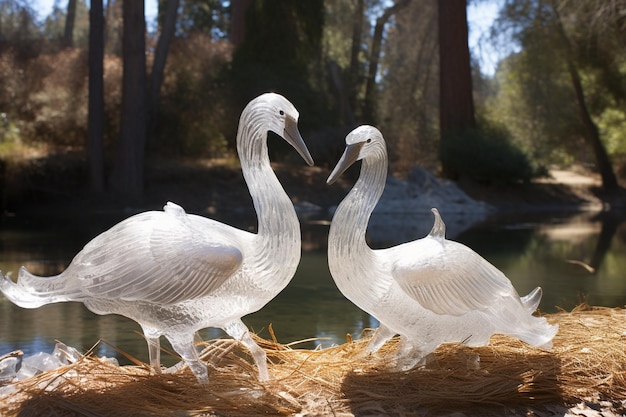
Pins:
x: 532, y: 299
x: 32, y: 291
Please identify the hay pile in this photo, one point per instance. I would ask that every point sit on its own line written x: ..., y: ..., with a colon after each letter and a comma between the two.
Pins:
x: 586, y: 365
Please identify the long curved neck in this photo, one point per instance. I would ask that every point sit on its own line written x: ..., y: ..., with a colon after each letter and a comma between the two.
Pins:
x: 346, y: 239
x: 278, y: 225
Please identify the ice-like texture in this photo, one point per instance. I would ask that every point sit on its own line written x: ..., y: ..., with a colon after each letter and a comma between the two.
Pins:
x: 176, y: 273
x: 431, y: 290
x: 14, y: 367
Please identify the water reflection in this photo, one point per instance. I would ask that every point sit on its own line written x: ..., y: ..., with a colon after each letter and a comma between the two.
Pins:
x: 574, y: 257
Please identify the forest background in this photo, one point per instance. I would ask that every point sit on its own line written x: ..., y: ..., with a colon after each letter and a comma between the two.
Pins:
x: 90, y: 98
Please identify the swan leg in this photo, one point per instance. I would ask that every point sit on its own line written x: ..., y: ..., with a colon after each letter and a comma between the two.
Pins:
x: 154, y: 347
x: 183, y: 345
x: 409, y: 355
x: 238, y: 331
x: 381, y: 335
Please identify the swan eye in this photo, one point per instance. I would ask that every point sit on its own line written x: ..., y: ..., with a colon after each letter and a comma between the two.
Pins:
x: 369, y: 140
x: 282, y: 113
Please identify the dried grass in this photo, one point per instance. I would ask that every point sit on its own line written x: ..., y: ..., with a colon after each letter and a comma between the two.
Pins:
x: 586, y: 364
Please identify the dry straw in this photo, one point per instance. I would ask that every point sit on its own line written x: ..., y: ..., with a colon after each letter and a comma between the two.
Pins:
x: 587, y: 364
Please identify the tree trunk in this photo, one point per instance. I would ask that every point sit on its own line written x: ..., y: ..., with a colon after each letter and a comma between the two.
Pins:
x: 127, y: 175
x: 456, y: 104
x: 238, y: 10
x: 592, y: 134
x: 354, y: 74
x: 70, y: 18
x: 346, y: 116
x: 369, y: 109
x: 158, y: 66
x: 95, y: 119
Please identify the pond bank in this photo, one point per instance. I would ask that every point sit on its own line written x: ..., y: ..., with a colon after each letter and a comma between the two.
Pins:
x: 216, y: 188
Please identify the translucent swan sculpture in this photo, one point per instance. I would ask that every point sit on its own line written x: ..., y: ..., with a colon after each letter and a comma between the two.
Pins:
x: 176, y: 273
x: 429, y: 291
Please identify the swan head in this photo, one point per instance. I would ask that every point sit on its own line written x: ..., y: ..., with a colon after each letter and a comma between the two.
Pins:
x: 281, y: 117
x: 363, y: 142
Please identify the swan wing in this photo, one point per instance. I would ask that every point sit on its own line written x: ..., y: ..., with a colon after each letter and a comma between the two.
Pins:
x: 159, y: 257
x: 447, y: 277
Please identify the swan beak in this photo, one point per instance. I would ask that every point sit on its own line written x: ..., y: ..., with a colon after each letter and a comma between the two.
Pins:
x: 292, y: 135
x: 349, y: 157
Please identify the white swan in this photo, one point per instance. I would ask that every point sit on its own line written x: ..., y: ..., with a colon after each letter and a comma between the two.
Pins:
x: 430, y: 290
x: 176, y: 273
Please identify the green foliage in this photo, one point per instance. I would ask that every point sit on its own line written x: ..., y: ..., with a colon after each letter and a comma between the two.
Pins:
x: 409, y: 89
x: 207, y: 16
x: 9, y: 131
x: 282, y: 53
x: 536, y: 102
x: 534, y: 95
x: 54, y: 25
x: 486, y: 155
x: 192, y: 120
x: 612, y: 124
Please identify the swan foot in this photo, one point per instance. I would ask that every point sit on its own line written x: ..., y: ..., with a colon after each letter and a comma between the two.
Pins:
x: 154, y: 349
x: 174, y: 368
x: 183, y: 345
x: 414, y: 359
x: 238, y: 331
x: 410, y: 356
x: 380, y: 337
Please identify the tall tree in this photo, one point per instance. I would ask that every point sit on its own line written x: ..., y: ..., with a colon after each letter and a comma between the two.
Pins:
x: 559, y: 59
x: 95, y: 122
x: 456, y: 104
x: 355, y: 51
x: 127, y: 175
x: 369, y: 110
x: 408, y: 97
x: 280, y: 55
x: 592, y: 134
x: 238, y: 9
x: 158, y: 65
x: 70, y: 19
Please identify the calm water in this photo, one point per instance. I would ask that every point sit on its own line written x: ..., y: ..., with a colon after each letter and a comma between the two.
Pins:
x: 539, y: 249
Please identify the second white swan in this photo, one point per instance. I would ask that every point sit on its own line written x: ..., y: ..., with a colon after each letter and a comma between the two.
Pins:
x: 429, y: 291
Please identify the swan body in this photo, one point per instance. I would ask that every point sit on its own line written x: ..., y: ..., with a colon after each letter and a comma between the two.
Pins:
x: 176, y: 273
x: 429, y: 291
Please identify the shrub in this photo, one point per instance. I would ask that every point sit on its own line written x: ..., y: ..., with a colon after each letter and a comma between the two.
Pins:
x: 486, y: 155
x: 194, y: 119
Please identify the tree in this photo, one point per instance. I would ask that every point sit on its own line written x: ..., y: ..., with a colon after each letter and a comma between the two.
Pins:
x: 282, y: 54
x: 158, y: 65
x: 238, y: 9
x: 408, y: 90
x: 127, y: 175
x: 95, y: 123
x: 592, y: 134
x: 456, y: 104
x: 344, y: 37
x: 355, y: 51
x: 558, y: 75
x: 369, y: 108
x: 70, y: 19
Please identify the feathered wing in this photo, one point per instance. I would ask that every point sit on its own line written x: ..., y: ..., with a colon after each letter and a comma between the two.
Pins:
x: 158, y: 257
x: 449, y: 278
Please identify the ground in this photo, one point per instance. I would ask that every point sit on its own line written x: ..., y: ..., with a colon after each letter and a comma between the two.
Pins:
x: 573, y: 187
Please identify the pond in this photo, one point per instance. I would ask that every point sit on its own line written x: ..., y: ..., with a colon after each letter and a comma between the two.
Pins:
x: 574, y: 257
